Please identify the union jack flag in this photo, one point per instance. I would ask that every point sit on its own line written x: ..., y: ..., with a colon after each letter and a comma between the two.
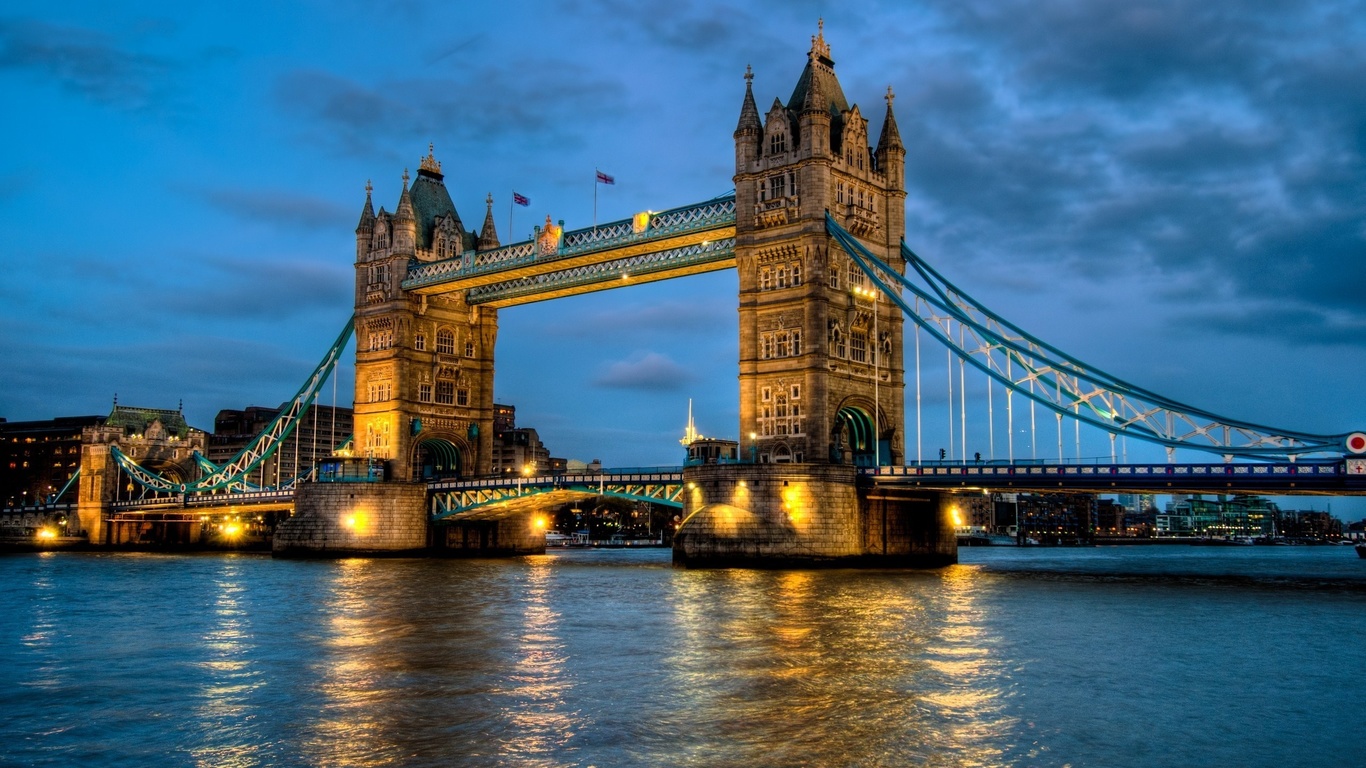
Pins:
x: 521, y: 200
x: 605, y: 179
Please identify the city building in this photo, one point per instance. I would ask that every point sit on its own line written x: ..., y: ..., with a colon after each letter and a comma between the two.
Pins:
x: 1057, y: 518
x: 318, y: 435
x: 1197, y: 516
x: 37, y: 458
x: 519, y: 450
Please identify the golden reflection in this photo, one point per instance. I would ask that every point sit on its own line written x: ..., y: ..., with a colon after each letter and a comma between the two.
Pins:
x: 537, y: 709
x: 225, y: 710
x: 823, y: 664
x: 350, y: 730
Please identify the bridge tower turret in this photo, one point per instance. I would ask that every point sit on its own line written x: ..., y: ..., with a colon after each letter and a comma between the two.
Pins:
x: 821, y: 370
x: 424, y: 364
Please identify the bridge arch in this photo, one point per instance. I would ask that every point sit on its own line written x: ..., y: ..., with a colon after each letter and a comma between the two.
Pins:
x: 438, y: 455
x: 854, y: 438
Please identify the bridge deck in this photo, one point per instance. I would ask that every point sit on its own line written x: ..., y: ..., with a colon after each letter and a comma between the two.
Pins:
x: 1274, y: 478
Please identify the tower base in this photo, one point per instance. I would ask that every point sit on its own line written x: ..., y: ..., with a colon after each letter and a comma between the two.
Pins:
x: 807, y: 516
x: 354, y: 520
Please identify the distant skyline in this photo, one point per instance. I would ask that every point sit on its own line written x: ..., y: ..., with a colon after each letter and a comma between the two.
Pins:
x: 1172, y: 191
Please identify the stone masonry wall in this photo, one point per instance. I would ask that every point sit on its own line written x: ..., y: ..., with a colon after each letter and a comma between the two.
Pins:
x: 345, y: 519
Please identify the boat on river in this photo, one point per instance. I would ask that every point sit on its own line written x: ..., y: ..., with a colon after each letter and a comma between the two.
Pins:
x: 1361, y: 550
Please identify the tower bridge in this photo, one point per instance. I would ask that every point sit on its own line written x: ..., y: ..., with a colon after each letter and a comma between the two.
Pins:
x: 815, y: 228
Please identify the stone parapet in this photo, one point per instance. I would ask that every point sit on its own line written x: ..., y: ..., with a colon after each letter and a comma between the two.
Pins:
x: 350, y: 519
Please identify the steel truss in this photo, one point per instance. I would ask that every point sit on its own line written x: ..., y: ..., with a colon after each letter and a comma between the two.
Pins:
x: 1067, y: 386
x: 699, y: 217
x: 454, y: 497
x: 262, y: 447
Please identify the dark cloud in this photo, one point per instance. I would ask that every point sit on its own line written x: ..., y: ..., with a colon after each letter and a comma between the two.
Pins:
x: 1218, y: 150
x: 648, y: 371
x: 240, y: 290
x: 85, y: 62
x: 492, y: 103
x: 278, y: 207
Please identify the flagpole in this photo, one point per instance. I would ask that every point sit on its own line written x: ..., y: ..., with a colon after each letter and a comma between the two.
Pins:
x: 510, y: 199
x: 595, y: 200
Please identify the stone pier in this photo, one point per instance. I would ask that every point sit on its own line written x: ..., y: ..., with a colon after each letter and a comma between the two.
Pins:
x: 807, y: 515
x: 349, y: 519
x: 517, y: 534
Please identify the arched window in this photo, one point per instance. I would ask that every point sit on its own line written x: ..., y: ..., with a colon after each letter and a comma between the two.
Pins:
x: 782, y: 278
x: 777, y: 143
x: 796, y: 273
x: 765, y: 279
x: 796, y: 343
x: 445, y: 342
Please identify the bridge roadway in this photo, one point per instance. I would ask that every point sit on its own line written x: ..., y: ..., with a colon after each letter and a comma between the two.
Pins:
x: 498, y: 497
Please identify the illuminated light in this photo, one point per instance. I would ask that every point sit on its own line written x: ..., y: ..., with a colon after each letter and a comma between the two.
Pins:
x: 540, y: 523
x: 692, y: 486
x: 350, y: 521
x: 231, y: 529
x: 46, y: 533
x: 957, y: 519
x: 640, y: 222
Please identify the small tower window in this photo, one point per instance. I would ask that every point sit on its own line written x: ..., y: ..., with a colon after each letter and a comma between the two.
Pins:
x: 777, y: 186
x: 777, y: 143
x: 796, y: 273
x: 469, y: 349
x: 420, y: 342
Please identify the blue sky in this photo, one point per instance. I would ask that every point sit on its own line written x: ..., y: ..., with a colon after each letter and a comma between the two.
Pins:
x: 1172, y: 191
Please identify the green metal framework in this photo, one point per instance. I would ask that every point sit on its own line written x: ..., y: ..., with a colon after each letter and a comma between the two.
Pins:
x: 452, y: 498
x: 1067, y: 386
x: 264, y: 445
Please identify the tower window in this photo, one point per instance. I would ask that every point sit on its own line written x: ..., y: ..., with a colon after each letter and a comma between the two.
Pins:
x: 445, y: 392
x: 445, y: 342
x: 424, y: 393
x: 469, y: 349
x: 420, y: 342
x: 858, y: 346
x: 777, y: 143
x: 777, y: 186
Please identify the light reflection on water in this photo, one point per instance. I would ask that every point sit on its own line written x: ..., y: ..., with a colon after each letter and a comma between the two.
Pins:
x: 617, y: 659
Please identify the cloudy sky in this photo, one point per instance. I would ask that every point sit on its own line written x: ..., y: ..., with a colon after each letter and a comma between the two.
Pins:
x: 1173, y: 191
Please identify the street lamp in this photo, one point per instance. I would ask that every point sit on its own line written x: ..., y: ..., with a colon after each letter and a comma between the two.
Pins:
x: 527, y: 469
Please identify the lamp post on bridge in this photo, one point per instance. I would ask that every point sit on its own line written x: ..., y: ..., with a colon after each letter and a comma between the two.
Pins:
x: 872, y: 294
x: 527, y: 469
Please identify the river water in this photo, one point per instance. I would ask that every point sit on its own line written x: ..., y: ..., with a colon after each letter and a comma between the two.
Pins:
x: 1119, y: 656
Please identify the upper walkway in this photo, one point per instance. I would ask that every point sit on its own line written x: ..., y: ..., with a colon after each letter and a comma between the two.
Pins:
x: 647, y: 247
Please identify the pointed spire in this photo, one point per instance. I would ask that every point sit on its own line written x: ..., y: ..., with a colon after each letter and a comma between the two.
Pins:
x: 404, y: 211
x: 488, y: 236
x: 815, y: 100
x: 749, y: 113
x: 367, y: 214
x: 891, y: 137
x: 819, y: 48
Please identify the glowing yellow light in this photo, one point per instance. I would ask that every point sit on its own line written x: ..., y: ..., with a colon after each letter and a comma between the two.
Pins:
x: 46, y: 533
x: 957, y: 519
x: 528, y: 469
x: 540, y: 522
x: 232, y: 529
x: 350, y: 522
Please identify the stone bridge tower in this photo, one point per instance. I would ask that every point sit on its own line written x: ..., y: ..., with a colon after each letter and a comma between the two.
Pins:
x: 424, y: 364
x: 821, y: 370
